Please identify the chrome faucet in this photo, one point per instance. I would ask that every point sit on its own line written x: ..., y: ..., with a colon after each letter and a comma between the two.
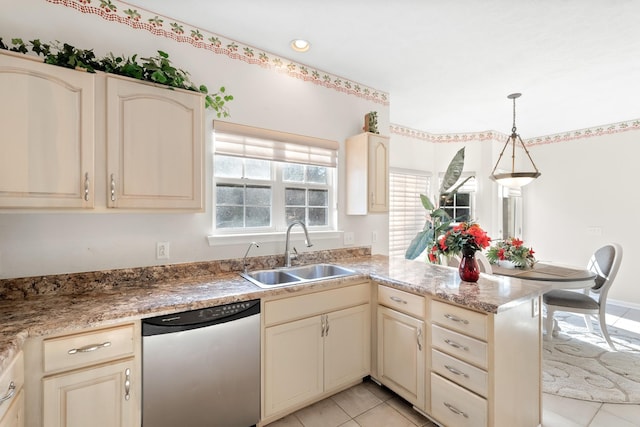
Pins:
x: 288, y: 256
x: 245, y: 264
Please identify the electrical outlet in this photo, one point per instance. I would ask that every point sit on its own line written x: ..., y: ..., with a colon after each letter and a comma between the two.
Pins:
x: 349, y: 238
x: 374, y: 236
x: 162, y: 250
x: 594, y: 231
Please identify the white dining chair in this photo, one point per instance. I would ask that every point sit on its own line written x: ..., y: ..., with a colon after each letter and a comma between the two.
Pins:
x: 605, y: 262
x: 483, y: 263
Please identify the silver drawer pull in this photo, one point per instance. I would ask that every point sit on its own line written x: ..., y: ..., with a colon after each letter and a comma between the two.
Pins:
x: 456, y: 371
x: 89, y: 348
x: 10, y: 392
x: 456, y: 319
x: 455, y: 410
x: 127, y: 384
x: 456, y: 345
x: 400, y: 300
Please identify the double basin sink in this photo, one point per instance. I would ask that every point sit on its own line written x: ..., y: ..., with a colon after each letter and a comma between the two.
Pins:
x: 296, y: 275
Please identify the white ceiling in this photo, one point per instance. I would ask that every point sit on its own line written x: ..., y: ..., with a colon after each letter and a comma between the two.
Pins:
x: 448, y: 65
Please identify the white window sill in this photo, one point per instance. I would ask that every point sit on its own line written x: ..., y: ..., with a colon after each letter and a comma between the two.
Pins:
x: 272, y: 237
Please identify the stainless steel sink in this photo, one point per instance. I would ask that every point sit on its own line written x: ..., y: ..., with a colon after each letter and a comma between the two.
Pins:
x: 296, y: 275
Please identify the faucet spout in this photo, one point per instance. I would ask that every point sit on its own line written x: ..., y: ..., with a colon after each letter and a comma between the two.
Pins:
x: 245, y: 264
x: 287, y: 253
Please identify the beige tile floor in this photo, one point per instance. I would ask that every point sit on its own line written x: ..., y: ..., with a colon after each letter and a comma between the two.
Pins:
x: 368, y: 405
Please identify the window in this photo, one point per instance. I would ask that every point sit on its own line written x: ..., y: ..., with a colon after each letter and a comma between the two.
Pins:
x: 461, y: 207
x: 406, y: 213
x: 264, y: 180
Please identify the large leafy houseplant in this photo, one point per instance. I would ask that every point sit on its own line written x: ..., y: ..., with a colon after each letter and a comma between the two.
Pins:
x: 438, y: 220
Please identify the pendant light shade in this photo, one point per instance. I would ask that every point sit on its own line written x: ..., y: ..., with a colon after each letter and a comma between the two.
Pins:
x: 514, y: 178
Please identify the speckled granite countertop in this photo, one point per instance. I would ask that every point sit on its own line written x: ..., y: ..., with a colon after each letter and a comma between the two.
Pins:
x: 56, y: 312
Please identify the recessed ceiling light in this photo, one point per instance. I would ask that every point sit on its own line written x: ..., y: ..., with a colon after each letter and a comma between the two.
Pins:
x: 300, y: 45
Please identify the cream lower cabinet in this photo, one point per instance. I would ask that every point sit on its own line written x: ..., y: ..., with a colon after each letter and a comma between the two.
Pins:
x: 402, y: 344
x: 313, y: 347
x: 48, y: 137
x: 485, y: 368
x: 99, y: 396
x: 91, y: 378
x: 11, y: 394
x: 154, y: 146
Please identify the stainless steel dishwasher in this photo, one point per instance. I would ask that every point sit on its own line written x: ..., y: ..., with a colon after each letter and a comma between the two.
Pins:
x: 201, y: 368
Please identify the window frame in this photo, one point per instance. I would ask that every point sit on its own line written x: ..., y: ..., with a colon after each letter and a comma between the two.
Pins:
x: 317, y: 149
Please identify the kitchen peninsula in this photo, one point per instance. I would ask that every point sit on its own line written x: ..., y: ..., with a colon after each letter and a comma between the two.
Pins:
x: 494, y: 326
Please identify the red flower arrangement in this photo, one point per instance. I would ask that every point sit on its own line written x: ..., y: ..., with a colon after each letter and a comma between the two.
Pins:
x: 513, y: 250
x: 464, y: 236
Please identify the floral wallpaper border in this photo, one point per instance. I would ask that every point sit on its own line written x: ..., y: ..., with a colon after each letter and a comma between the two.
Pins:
x: 610, y: 129
x: 116, y: 11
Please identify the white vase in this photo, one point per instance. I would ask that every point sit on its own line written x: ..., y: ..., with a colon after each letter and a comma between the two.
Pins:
x: 506, y: 264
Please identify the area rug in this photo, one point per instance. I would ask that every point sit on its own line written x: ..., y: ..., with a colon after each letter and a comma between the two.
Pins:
x: 581, y: 365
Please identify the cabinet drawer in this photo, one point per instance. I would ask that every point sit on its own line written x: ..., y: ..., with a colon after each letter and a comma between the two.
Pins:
x: 288, y: 309
x: 460, y: 372
x: 14, y: 373
x: 401, y: 301
x: 452, y: 405
x: 72, y: 351
x: 459, y: 319
x: 461, y: 346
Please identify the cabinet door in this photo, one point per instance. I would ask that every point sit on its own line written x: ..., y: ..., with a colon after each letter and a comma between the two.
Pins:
x: 367, y: 173
x: 154, y: 146
x: 378, y: 173
x: 293, y: 363
x: 47, y: 143
x: 401, y: 354
x: 347, y: 346
x: 98, y: 397
x: 14, y: 417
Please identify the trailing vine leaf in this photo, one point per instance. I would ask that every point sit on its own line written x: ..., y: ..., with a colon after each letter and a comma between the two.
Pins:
x: 18, y: 46
x: 157, y: 69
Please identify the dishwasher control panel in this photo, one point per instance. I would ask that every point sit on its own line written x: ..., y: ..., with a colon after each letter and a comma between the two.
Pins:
x: 199, y: 318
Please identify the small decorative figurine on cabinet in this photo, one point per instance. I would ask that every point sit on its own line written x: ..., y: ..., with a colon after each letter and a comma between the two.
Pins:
x: 371, y: 122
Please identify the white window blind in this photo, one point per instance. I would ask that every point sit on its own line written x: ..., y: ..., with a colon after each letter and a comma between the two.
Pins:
x: 406, y: 213
x: 250, y: 142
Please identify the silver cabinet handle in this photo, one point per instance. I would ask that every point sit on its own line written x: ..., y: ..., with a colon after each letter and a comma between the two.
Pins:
x: 456, y: 345
x: 113, y: 188
x: 456, y: 371
x: 456, y: 319
x: 89, y: 348
x: 86, y: 186
x: 322, y: 325
x: 399, y: 300
x: 419, y: 338
x: 10, y: 392
x: 326, y: 320
x: 127, y: 383
x: 455, y: 410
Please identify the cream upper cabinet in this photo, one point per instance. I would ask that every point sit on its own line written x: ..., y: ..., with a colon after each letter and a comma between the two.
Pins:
x: 47, y: 142
x: 154, y: 146
x: 11, y: 394
x: 402, y: 344
x: 367, y: 173
x: 314, y: 347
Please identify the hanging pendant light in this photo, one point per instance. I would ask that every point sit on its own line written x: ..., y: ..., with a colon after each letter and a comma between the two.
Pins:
x: 513, y: 178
